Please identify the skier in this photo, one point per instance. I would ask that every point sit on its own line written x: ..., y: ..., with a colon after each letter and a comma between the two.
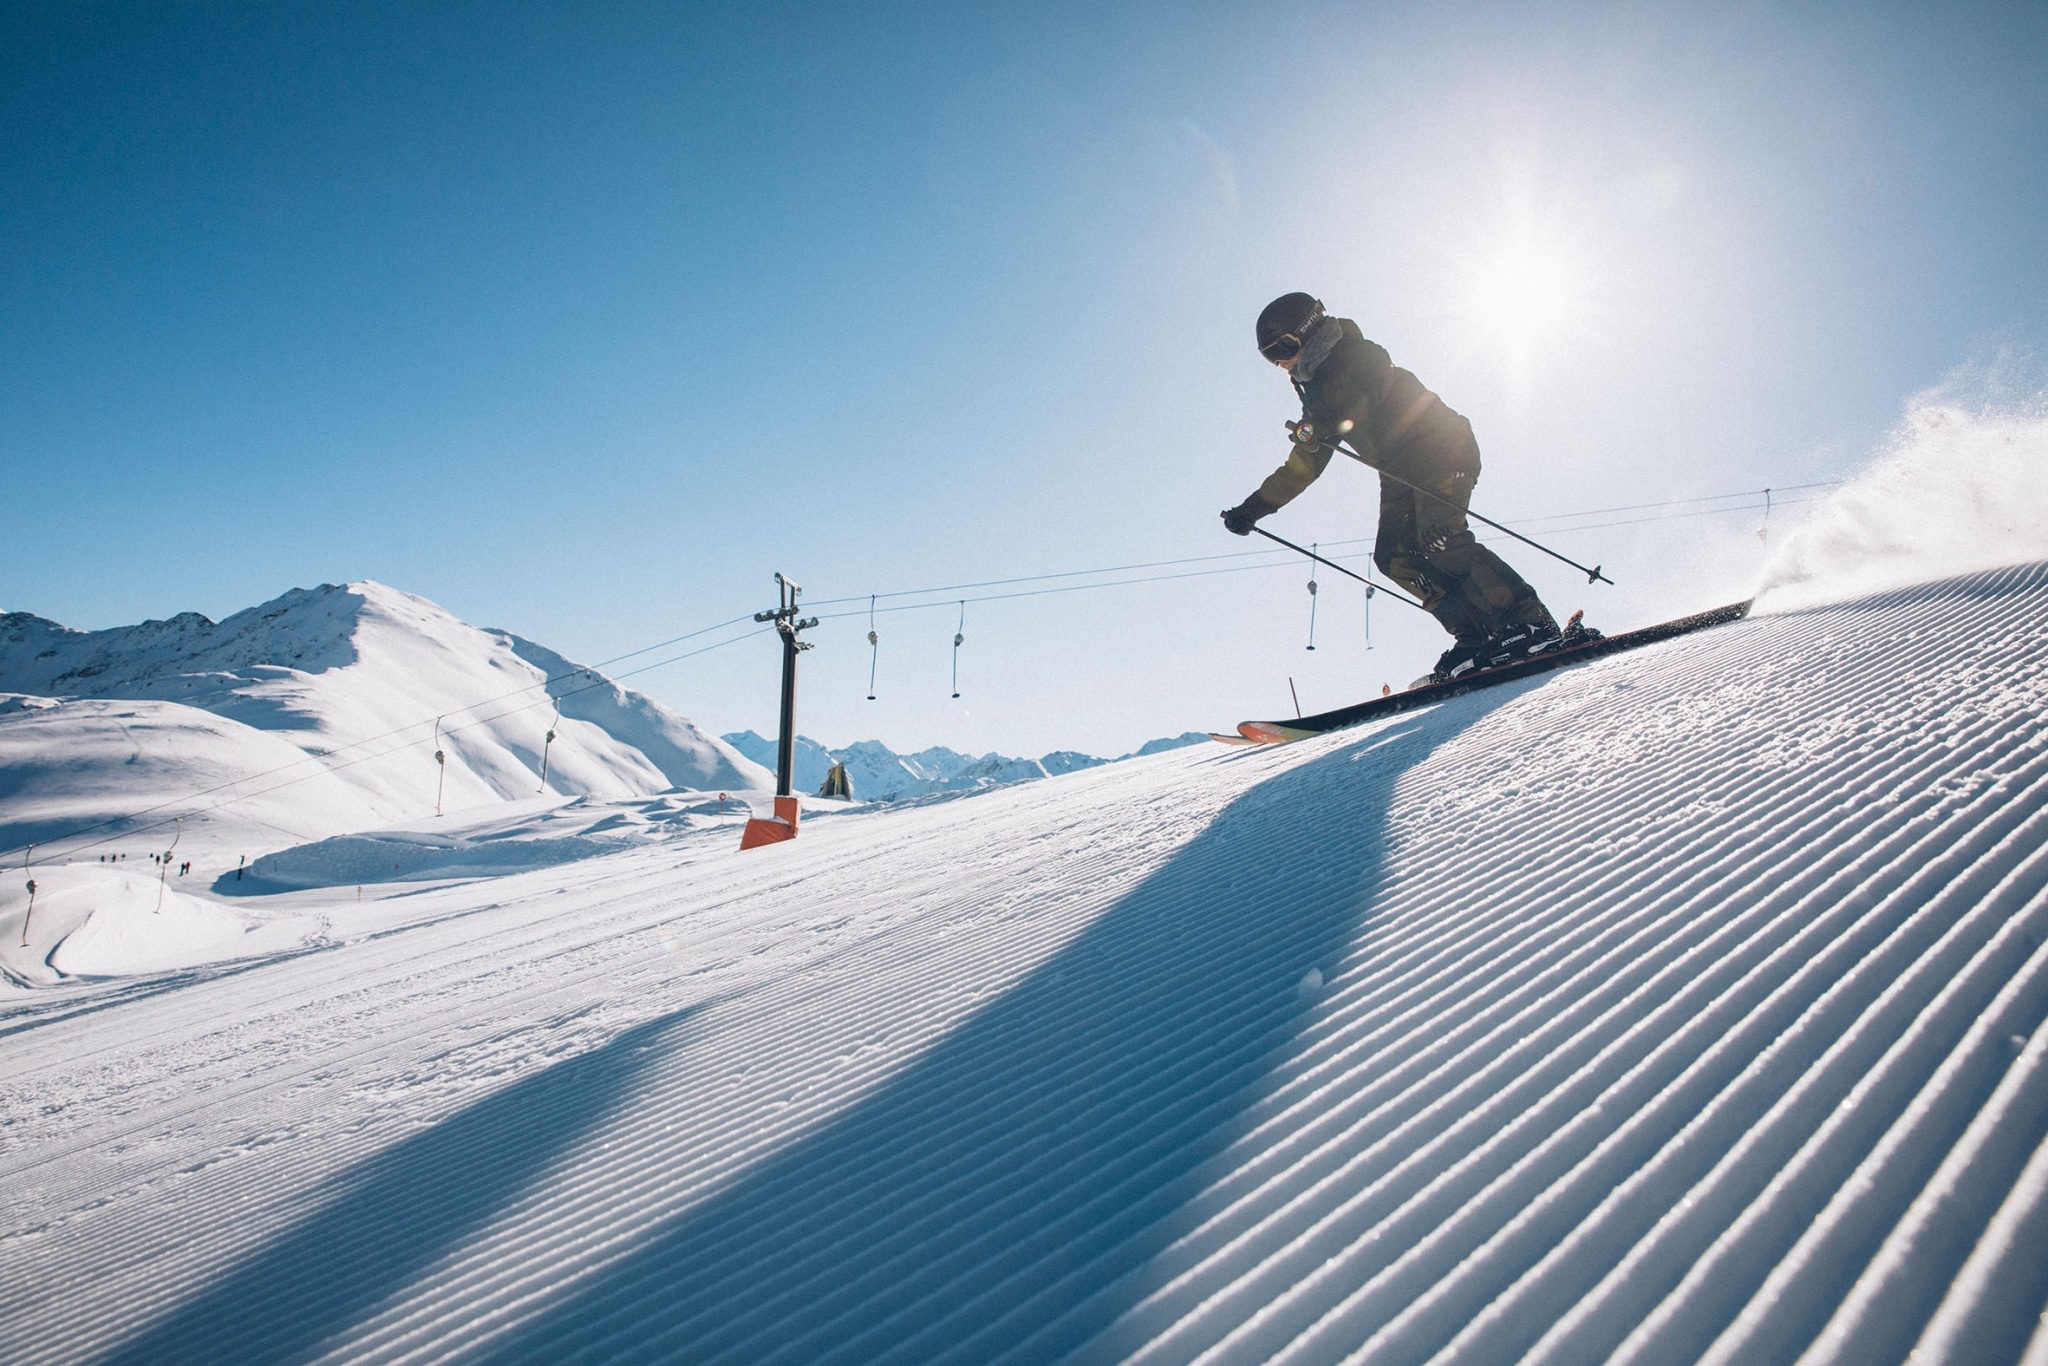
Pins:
x: 1352, y: 391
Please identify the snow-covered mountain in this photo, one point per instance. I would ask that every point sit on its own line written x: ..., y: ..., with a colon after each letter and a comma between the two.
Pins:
x: 320, y: 712
x: 878, y: 773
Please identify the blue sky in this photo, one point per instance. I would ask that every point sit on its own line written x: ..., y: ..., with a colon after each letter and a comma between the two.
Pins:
x: 583, y: 319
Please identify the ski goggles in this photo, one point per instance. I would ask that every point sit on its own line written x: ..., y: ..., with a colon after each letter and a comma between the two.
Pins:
x: 1287, y: 345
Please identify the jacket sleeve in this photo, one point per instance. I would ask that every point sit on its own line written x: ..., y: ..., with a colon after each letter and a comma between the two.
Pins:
x: 1303, y: 467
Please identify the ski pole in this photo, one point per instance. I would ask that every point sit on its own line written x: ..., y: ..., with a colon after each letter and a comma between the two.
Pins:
x: 1370, y: 587
x: 1593, y: 575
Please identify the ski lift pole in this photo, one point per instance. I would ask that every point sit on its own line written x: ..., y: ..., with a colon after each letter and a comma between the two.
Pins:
x: 440, y: 762
x: 1370, y: 587
x: 959, y: 639
x: 1593, y: 575
x: 1312, y: 614
x: 549, y: 744
x: 163, y: 868
x: 25, y: 859
x: 787, y: 625
x: 1368, y: 607
x: 874, y: 647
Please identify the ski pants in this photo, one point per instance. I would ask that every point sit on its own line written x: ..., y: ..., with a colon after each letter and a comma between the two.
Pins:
x: 1426, y: 546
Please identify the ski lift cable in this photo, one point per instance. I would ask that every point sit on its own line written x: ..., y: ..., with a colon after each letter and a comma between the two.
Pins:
x: 1252, y: 554
x: 1038, y: 578
x: 1766, y: 494
x: 1681, y: 502
x: 1666, y: 517
x: 1069, y: 588
x: 1627, y: 521
x: 1270, y: 560
x: 1564, y: 531
x: 1677, y: 516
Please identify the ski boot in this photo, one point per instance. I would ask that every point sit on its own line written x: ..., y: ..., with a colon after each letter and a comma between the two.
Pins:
x: 1517, y: 641
x: 1455, y: 662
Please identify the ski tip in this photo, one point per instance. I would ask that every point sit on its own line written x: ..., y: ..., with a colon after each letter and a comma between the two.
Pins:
x: 1270, y: 732
x: 1230, y: 739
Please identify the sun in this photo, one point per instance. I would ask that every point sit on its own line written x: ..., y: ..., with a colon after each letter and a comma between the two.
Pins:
x: 1523, y: 297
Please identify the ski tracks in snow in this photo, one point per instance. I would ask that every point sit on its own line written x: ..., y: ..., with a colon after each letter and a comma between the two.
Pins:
x: 1685, y: 1005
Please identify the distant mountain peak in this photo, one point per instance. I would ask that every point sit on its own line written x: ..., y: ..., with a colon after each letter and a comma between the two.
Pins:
x: 879, y: 773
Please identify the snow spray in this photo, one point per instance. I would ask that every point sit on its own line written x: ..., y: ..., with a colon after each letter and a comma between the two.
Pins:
x: 1960, y: 489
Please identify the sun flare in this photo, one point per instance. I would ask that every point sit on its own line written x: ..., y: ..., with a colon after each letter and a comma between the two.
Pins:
x: 1522, y: 297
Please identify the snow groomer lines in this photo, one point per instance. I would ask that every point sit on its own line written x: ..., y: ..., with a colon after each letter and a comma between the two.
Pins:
x: 1686, y: 1008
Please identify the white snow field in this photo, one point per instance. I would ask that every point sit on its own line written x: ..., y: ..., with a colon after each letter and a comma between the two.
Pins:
x: 298, y: 738
x: 1685, y: 1005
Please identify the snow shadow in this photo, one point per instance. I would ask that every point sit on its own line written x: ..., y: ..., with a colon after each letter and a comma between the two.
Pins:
x: 1008, y: 1192
x: 374, y: 860
x: 387, y: 1220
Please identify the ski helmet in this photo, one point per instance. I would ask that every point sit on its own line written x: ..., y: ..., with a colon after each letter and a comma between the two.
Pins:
x: 1285, y: 324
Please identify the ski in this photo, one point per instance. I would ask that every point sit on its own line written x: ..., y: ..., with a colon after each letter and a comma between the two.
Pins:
x: 1424, y: 693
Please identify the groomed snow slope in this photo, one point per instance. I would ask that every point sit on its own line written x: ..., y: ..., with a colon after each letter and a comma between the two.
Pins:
x: 1683, y: 1005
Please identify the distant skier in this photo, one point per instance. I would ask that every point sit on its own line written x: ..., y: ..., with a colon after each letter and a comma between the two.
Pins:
x: 1352, y: 391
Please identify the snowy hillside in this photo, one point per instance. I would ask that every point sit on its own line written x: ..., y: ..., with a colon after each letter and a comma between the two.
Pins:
x: 331, y: 695
x: 1685, y: 1005
x: 879, y: 773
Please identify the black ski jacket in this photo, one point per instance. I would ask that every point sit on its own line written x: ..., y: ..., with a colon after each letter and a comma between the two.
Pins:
x: 1359, y: 395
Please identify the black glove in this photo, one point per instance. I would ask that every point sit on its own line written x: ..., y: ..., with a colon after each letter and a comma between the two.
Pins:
x: 1240, y: 520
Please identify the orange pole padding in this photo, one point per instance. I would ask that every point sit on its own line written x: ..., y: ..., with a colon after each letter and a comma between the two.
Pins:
x: 777, y: 828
